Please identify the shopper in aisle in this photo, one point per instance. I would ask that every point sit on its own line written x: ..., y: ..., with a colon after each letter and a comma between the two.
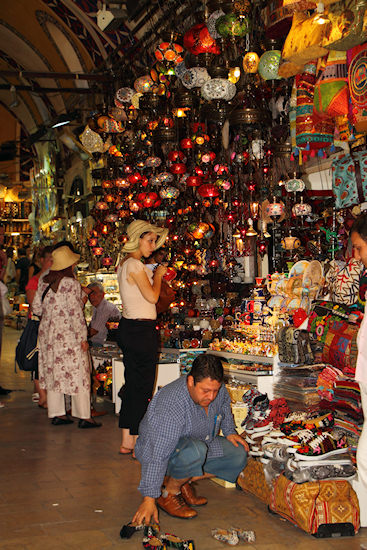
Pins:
x: 137, y: 333
x: 10, y: 270
x: 35, y: 265
x: 64, y: 364
x: 102, y: 312
x: 178, y: 441
x: 358, y: 234
x: 21, y: 274
x: 45, y: 261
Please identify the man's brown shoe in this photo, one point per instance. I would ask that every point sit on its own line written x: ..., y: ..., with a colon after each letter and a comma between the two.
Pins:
x: 189, y: 495
x: 175, y: 506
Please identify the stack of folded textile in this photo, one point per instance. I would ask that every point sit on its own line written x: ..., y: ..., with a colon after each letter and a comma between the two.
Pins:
x: 347, y: 407
x: 298, y: 383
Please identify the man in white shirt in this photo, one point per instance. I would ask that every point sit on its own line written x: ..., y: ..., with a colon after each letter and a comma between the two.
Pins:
x: 102, y: 312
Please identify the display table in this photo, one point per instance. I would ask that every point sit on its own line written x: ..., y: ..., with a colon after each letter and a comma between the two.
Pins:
x: 263, y: 380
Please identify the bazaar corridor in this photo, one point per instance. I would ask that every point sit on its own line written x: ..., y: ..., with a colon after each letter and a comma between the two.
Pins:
x: 63, y: 488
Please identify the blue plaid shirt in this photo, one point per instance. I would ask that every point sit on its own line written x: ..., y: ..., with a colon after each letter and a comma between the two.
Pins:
x: 173, y: 414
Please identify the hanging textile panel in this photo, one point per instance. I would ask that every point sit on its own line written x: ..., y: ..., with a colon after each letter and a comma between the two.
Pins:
x: 357, y: 82
x: 304, y: 41
x: 349, y: 179
x: 331, y: 95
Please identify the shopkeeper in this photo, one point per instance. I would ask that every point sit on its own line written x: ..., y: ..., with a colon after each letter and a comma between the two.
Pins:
x: 103, y: 311
x: 178, y: 441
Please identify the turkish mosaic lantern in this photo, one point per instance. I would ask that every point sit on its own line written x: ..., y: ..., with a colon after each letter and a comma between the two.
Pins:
x: 144, y: 84
x: 175, y: 156
x: 107, y: 261
x: 167, y: 51
x: 123, y: 95
x: 198, y: 230
x: 101, y: 205
x: 197, y: 40
x: 301, y: 209
x: 250, y: 62
x: 93, y: 242
x: 97, y: 251
x: 269, y: 64
x: 178, y: 168
x: 208, y: 190
x: 218, y: 88
x: 211, y: 23
x: 153, y: 162
x: 186, y: 143
x: 232, y: 25
x: 294, y: 185
x: 169, y: 193
x: 195, y: 77
x: 194, y: 181
x: 122, y: 183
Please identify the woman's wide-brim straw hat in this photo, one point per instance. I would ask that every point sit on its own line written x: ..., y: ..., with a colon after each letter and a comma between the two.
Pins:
x: 63, y: 257
x: 137, y: 228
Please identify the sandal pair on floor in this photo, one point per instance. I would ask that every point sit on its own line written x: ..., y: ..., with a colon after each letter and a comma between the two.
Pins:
x: 153, y: 540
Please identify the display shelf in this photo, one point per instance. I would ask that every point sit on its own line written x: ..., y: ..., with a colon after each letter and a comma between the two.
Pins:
x: 263, y: 381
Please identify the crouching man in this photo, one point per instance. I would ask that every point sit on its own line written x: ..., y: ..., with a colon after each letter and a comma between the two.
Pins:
x: 178, y: 442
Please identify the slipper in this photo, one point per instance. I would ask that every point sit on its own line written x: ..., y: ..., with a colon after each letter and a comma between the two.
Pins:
x: 35, y: 397
x: 126, y: 451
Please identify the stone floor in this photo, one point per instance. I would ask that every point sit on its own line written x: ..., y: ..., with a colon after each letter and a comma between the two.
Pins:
x: 62, y: 488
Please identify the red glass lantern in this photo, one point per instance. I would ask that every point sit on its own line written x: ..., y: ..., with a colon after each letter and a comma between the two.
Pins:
x: 148, y: 200
x: 107, y: 184
x: 208, y: 190
x: 101, y: 205
x: 122, y: 183
x: 167, y: 121
x: 109, y: 198
x: 93, y: 241
x: 128, y: 169
x: 97, y: 251
x: 198, y: 40
x: 178, y: 168
x: 175, y: 156
x: 144, y: 181
x: 107, y: 261
x: 214, y: 264
x: 221, y: 169
x: 194, y: 181
x: 186, y: 143
x: 199, y: 171
x: 105, y: 229
x: 134, y: 178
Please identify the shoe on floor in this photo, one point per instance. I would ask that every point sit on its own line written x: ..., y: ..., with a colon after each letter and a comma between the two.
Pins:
x: 175, y: 506
x: 3, y: 391
x: 189, y: 494
x: 322, y: 446
x: 85, y: 424
x: 57, y: 421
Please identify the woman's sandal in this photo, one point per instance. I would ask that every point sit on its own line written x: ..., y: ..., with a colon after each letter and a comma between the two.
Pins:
x: 172, y: 541
x: 228, y: 536
x: 127, y: 531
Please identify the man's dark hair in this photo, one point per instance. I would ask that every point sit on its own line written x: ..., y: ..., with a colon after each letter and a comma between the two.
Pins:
x: 360, y: 226
x: 46, y: 250
x: 207, y: 366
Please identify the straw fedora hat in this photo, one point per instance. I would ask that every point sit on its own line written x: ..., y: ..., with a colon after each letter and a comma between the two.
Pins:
x: 63, y: 257
x: 137, y: 228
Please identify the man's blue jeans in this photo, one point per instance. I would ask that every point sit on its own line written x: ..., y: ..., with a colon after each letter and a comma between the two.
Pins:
x: 189, y: 459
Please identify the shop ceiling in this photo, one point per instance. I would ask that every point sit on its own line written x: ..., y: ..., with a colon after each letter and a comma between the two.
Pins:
x: 59, y: 55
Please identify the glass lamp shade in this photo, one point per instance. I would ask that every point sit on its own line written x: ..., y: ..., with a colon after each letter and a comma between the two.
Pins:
x: 194, y: 181
x: 134, y: 178
x: 98, y: 251
x: 175, y: 156
x: 269, y: 64
x: 122, y: 183
x: 275, y: 209
x: 93, y: 242
x: 107, y: 261
x: 211, y: 23
x: 224, y: 184
x: 92, y: 141
x: 197, y: 40
x: 123, y: 95
x: 186, y: 143
x: 165, y: 177
x: 144, y: 84
x: 178, y: 168
x: 250, y: 62
x: 218, y: 88
x: 153, y: 162
x: 293, y: 185
x: 290, y: 243
x: 180, y: 69
x: 208, y: 190
x: 101, y: 205
x: 167, y: 51
x: 198, y: 230
x: 195, y: 77
x: 112, y: 218
x: 169, y: 193
x: 232, y: 25
x: 147, y: 200
x: 301, y: 209
x: 107, y: 184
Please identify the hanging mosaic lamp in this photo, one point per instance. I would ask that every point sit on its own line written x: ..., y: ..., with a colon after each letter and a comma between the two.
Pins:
x: 122, y: 183
x: 101, y: 205
x: 178, y: 168
x: 195, y: 77
x: 123, y: 95
x: 294, y: 185
x: 218, y: 88
x: 232, y: 25
x: 91, y: 141
x: 301, y: 209
x: 197, y: 40
x: 153, y: 162
x: 175, y: 156
x: 186, y: 143
x: 250, y: 62
x: 144, y: 84
x: 269, y: 64
x: 169, y: 193
x: 198, y: 230
x: 168, y: 51
x: 208, y: 190
x: 194, y: 181
x: 211, y: 23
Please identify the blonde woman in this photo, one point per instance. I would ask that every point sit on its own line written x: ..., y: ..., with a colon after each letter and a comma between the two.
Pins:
x: 137, y: 333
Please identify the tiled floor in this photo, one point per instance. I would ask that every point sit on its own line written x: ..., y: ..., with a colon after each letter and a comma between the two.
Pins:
x: 62, y: 488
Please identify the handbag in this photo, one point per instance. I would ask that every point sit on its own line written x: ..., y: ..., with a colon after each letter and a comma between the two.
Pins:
x: 5, y: 305
x: 26, y: 352
x: 166, y: 297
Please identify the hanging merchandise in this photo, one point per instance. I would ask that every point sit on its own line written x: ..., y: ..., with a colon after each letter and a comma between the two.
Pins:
x: 92, y: 141
x: 331, y: 90
x: 269, y: 64
x: 197, y: 40
x: 304, y: 41
x: 346, y: 25
x: 277, y: 19
x: 357, y: 66
x: 312, y: 131
x: 349, y: 176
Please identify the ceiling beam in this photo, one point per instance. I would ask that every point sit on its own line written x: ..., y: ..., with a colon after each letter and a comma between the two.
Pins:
x: 66, y: 76
x: 44, y: 90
